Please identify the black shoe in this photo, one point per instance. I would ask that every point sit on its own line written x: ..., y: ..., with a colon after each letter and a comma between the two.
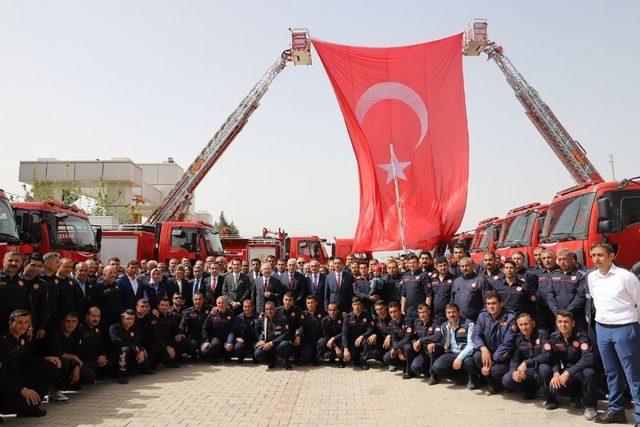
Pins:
x: 575, y: 402
x: 530, y: 395
x: 288, y: 367
x: 33, y: 411
x: 364, y: 366
x: 271, y: 365
x: 172, y: 365
x: 315, y: 363
x: 551, y: 403
x: 492, y: 389
x: 122, y: 380
x: 341, y: 364
x: 240, y: 360
x: 611, y: 417
x: 472, y: 385
x: 147, y: 371
x: 432, y: 380
x: 406, y: 376
x: 75, y: 387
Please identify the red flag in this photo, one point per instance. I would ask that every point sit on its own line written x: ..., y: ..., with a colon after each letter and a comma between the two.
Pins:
x: 404, y: 109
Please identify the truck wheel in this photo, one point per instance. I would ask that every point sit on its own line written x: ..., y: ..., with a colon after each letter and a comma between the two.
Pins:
x: 636, y: 268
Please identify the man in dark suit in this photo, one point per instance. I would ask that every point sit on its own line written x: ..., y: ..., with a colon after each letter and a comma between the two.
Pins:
x: 256, y: 267
x: 132, y: 289
x: 236, y: 286
x: 316, y: 284
x: 198, y: 283
x: 266, y: 288
x: 213, y: 287
x: 339, y: 287
x: 296, y: 283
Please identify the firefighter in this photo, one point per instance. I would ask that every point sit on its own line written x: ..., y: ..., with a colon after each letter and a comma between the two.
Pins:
x: 191, y: 324
x: 217, y: 338
x: 439, y: 290
x: 469, y: 290
x: 127, y: 351
x: 330, y: 344
x: 356, y: 328
x: 274, y: 337
x: 310, y: 331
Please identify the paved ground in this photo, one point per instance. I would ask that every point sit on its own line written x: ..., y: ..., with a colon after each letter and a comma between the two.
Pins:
x: 249, y: 395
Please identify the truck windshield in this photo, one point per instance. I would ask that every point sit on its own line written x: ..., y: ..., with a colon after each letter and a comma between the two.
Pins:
x: 518, y: 233
x: 214, y: 246
x: 481, y: 239
x: 8, y: 229
x: 568, y: 219
x: 72, y: 232
x: 625, y: 208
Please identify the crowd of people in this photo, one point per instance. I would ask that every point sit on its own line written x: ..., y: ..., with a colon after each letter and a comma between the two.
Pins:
x: 552, y: 327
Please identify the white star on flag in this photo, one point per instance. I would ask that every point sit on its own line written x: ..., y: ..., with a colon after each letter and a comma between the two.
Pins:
x: 399, y: 166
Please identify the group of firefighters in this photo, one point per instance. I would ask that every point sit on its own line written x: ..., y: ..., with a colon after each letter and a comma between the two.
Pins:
x: 499, y: 325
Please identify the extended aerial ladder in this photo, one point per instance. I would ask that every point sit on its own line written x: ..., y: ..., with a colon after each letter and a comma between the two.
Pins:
x: 568, y: 150
x: 174, y: 206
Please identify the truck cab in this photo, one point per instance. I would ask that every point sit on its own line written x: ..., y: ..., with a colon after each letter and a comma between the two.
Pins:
x: 51, y: 226
x: 586, y: 214
x: 9, y: 237
x: 521, y: 231
x: 193, y: 240
x: 485, y: 238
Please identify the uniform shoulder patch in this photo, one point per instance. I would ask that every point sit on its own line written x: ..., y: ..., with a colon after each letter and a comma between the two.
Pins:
x: 473, y: 285
x: 584, y: 346
x: 519, y: 289
x: 547, y: 346
x: 513, y: 327
x: 576, y: 344
x: 409, y: 329
x: 533, y: 298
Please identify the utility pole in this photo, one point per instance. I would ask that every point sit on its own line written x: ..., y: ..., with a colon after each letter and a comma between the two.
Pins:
x: 613, y: 169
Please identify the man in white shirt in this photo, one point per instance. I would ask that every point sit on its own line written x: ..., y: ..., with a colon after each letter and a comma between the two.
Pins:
x: 616, y: 296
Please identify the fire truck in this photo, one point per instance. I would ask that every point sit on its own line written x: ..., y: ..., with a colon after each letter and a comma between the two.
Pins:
x: 167, y: 235
x: 9, y: 237
x: 50, y: 226
x: 521, y: 231
x: 593, y: 210
x: 276, y: 243
x: 485, y: 238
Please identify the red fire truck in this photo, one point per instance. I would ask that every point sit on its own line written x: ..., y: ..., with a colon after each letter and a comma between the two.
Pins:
x: 9, y: 237
x: 51, y: 226
x: 278, y: 244
x: 485, y: 238
x: 593, y: 210
x: 521, y: 231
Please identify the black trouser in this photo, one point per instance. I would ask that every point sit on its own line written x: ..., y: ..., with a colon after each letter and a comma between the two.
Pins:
x: 38, y: 378
x: 240, y: 349
x: 326, y: 352
x: 308, y: 353
x: 126, y: 360
x: 534, y: 379
x: 420, y: 362
x: 283, y: 348
x: 392, y: 361
x: 580, y: 384
x: 216, y: 350
x: 377, y: 352
x: 473, y: 366
x: 442, y: 367
x: 359, y: 355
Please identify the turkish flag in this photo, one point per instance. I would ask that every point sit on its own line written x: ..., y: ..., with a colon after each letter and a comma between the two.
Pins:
x: 405, y: 112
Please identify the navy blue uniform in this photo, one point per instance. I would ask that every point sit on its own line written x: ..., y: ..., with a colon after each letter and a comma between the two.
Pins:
x: 414, y: 289
x: 574, y: 355
x: 536, y: 357
x: 310, y: 332
x: 13, y: 295
x: 353, y: 327
x: 92, y: 346
x: 515, y: 296
x: 399, y: 339
x: 498, y: 335
x: 439, y: 289
x: 125, y: 346
x: 276, y: 331
x: 243, y: 333
x: 216, y: 330
x: 568, y: 293
x: 191, y: 327
x: 331, y: 329
x: 419, y: 362
x: 468, y: 293
x: 382, y: 330
x: 545, y: 319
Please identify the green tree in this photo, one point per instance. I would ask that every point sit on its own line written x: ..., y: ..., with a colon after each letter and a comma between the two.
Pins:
x: 222, y: 223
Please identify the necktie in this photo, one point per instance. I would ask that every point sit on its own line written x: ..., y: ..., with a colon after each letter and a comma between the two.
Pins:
x: 290, y: 281
x: 196, y: 286
x: 214, y: 283
x: 339, y: 279
x: 235, y: 279
x: 315, y: 283
x: 265, y: 284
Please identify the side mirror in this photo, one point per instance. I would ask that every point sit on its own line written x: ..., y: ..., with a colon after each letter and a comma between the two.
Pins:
x: 605, y: 226
x: 177, y: 232
x: 604, y: 209
x: 99, y: 238
x: 303, y: 244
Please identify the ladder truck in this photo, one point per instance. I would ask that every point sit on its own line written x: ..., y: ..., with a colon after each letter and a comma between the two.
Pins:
x: 166, y: 234
x: 591, y: 211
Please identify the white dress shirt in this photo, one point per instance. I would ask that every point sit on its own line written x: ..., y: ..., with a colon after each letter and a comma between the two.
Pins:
x: 134, y: 284
x: 616, y: 296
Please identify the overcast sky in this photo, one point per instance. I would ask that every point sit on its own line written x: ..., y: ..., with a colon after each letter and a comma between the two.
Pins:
x: 155, y: 79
